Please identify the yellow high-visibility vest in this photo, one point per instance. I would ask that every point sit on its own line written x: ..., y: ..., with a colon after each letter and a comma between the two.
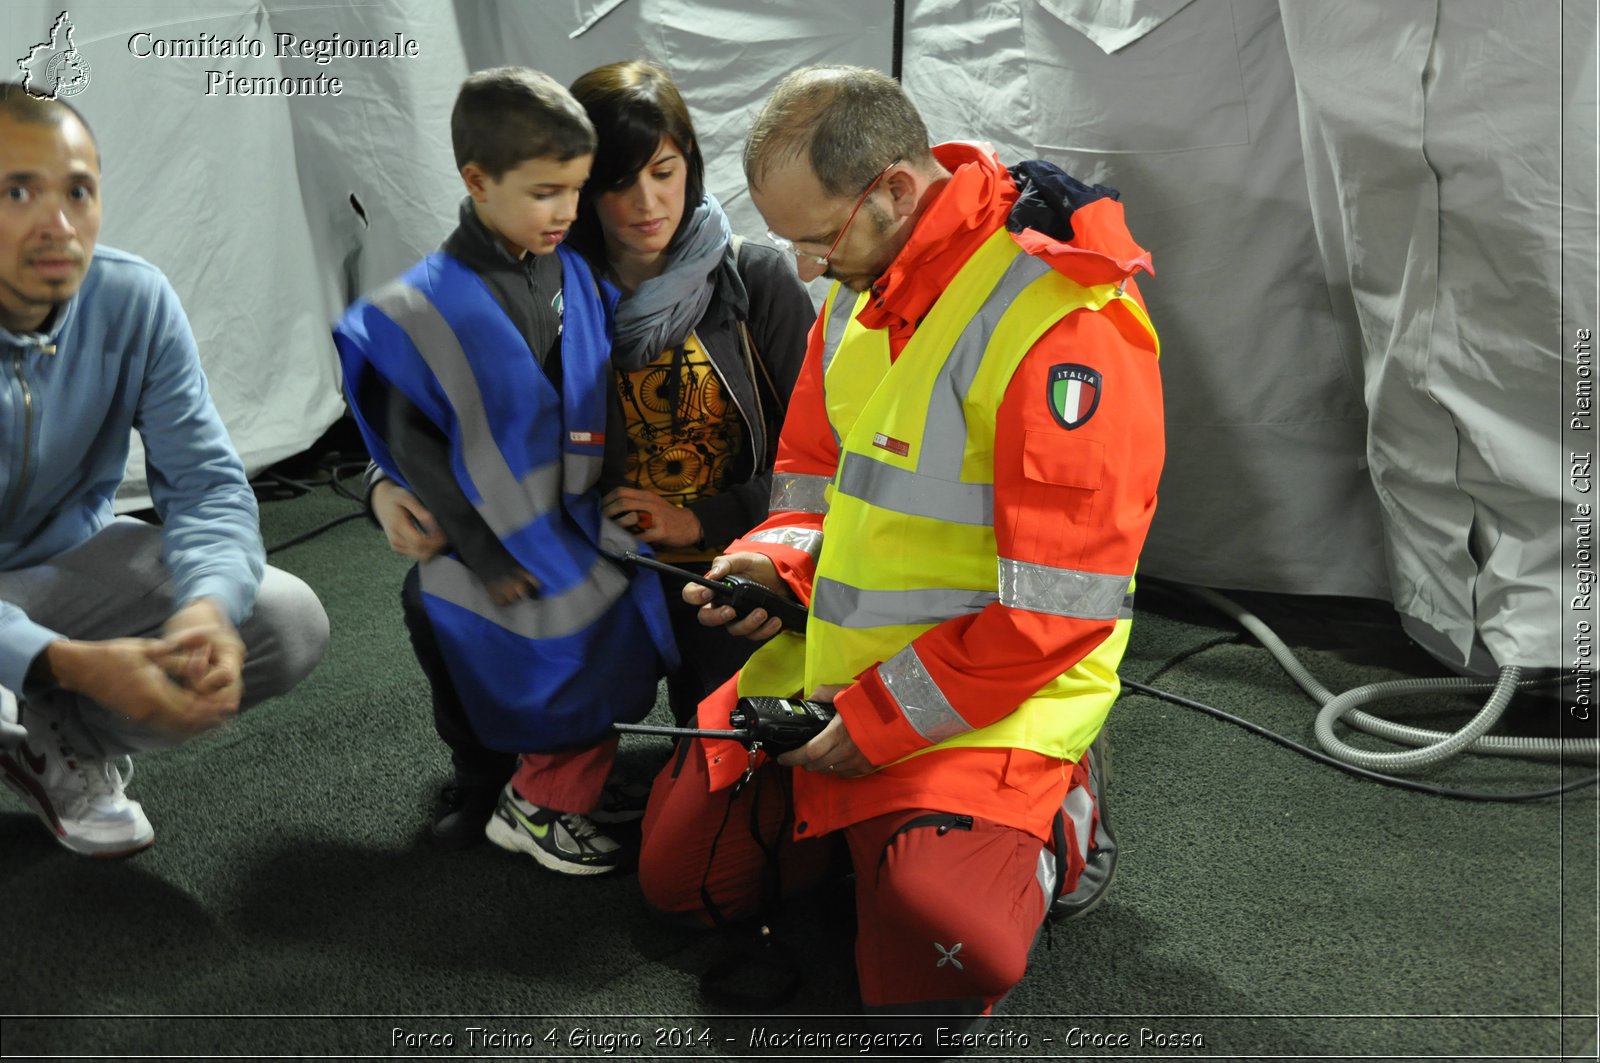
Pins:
x: 908, y: 532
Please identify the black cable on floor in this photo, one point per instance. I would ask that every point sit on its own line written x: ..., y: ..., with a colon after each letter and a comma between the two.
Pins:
x: 1363, y: 773
x: 314, y: 532
x: 335, y: 468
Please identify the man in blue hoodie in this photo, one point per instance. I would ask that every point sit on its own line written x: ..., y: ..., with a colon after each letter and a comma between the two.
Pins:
x: 115, y: 635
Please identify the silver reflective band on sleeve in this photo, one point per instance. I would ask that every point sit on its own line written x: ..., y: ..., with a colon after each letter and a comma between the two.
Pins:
x: 901, y: 491
x: 533, y: 618
x: 921, y: 701
x: 799, y: 492
x: 1061, y: 591
x: 851, y: 607
x: 806, y: 539
x: 505, y: 503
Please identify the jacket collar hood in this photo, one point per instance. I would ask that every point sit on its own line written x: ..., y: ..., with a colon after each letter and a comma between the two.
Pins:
x: 1078, y: 228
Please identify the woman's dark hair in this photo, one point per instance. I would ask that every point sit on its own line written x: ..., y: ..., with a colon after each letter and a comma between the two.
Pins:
x: 632, y: 105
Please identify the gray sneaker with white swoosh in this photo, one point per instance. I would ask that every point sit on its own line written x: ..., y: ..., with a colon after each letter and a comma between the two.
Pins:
x: 567, y: 842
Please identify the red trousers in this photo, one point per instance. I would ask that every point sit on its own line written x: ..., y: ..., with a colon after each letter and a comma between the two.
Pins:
x: 567, y: 782
x: 948, y: 907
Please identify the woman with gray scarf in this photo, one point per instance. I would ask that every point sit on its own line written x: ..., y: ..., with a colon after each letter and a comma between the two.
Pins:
x: 710, y: 334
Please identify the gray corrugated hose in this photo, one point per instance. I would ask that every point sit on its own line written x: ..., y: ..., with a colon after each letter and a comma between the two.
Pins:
x: 1433, y: 746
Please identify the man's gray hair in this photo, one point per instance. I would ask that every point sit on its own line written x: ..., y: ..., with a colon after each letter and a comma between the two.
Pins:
x: 848, y: 121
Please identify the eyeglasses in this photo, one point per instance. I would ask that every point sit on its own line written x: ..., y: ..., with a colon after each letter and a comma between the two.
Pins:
x: 783, y: 243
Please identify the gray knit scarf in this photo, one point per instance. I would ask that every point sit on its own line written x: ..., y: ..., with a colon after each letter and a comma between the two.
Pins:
x: 661, y: 313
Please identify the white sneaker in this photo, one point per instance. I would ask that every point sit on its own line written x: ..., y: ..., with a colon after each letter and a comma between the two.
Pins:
x: 567, y: 842
x: 78, y: 798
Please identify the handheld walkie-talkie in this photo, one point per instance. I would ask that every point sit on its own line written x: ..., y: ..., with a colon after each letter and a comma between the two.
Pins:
x: 743, y: 594
x: 776, y: 725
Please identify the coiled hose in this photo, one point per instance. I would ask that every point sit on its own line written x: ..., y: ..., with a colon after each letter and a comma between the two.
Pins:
x: 1432, y: 746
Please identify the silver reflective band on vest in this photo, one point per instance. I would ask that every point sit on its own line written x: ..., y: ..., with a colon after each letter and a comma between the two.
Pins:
x: 581, y: 471
x: 537, y: 618
x: 902, y: 491
x: 806, y: 539
x: 1061, y: 591
x: 944, y: 440
x: 921, y: 702
x: 935, y: 490
x: 851, y: 607
x: 505, y: 503
x: 844, y: 305
x: 799, y: 492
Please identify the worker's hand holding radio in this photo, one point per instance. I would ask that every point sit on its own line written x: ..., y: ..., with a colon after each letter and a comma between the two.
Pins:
x: 757, y: 624
x: 831, y: 751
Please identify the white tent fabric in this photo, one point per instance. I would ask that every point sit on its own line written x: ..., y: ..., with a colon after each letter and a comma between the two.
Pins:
x: 1188, y: 110
x: 1356, y: 221
x: 1435, y: 132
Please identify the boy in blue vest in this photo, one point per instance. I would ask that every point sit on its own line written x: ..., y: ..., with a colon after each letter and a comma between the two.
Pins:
x: 481, y: 381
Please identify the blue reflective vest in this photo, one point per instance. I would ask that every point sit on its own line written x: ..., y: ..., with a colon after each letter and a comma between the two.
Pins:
x: 551, y: 672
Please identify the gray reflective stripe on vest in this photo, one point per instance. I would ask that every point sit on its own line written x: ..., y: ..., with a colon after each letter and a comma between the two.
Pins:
x: 944, y: 440
x: 807, y: 539
x: 505, y: 503
x: 851, y: 607
x: 799, y: 492
x: 615, y: 539
x: 935, y: 489
x: 839, y: 317
x: 581, y: 471
x: 903, y: 491
x: 1062, y: 591
x: 538, y: 618
x: 921, y: 702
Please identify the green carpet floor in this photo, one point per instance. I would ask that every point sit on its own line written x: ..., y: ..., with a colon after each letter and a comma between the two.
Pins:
x: 1265, y: 905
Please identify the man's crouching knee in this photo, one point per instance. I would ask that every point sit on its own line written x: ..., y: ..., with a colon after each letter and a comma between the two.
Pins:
x: 285, y: 636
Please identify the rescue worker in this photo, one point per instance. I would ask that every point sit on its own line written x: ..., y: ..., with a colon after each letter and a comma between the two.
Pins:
x: 964, y: 482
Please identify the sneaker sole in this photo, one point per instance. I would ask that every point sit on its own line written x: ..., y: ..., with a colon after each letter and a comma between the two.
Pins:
x: 515, y: 840
x: 113, y: 853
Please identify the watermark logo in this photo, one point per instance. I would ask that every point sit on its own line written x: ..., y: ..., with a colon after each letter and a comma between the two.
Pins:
x: 55, y: 68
